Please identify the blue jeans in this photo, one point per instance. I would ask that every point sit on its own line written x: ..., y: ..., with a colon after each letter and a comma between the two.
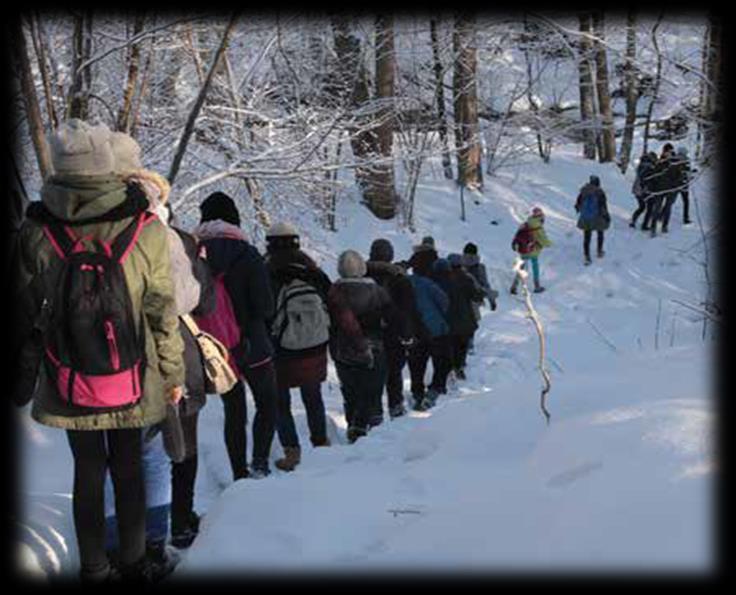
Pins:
x: 535, y: 266
x: 315, y: 408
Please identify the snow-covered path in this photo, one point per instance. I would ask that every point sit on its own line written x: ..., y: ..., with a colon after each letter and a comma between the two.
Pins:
x: 621, y: 478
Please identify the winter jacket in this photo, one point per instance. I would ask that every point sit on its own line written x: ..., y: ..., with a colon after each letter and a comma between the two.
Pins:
x: 602, y: 219
x: 542, y: 241
x: 432, y: 304
x: 683, y: 172
x: 477, y: 270
x: 102, y: 207
x: 643, y: 174
x: 665, y: 177
x: 394, y: 280
x: 421, y: 261
x: 248, y: 284
x: 359, y: 310
x: 462, y: 290
x: 310, y: 365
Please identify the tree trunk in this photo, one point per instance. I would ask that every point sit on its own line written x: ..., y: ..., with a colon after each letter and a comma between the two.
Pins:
x: 383, y: 199
x: 30, y: 99
x: 608, y: 136
x: 631, y: 92
x: 40, y: 49
x: 440, y: 99
x: 713, y: 107
x: 189, y: 127
x: 124, y: 116
x: 657, y: 81
x: 467, y: 138
x: 79, y: 91
x: 587, y: 109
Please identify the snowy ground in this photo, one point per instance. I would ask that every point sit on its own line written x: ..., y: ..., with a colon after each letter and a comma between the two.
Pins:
x: 621, y: 479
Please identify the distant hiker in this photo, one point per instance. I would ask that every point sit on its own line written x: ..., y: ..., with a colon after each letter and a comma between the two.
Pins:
x: 112, y: 362
x: 359, y: 309
x: 592, y: 207
x: 684, y: 173
x: 664, y: 183
x: 464, y: 293
x: 671, y: 179
x: 642, y: 185
x: 432, y: 340
x: 300, y: 332
x: 529, y: 241
x: 649, y: 183
x: 399, y: 337
x: 245, y: 295
x: 472, y: 264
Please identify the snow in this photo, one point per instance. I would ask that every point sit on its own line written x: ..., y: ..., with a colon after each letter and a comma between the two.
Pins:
x: 621, y: 478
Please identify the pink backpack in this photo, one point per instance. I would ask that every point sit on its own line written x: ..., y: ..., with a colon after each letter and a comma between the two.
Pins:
x: 221, y: 323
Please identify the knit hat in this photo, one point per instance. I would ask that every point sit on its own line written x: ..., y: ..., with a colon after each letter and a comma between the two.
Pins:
x: 455, y: 260
x: 382, y: 250
x: 79, y: 148
x: 282, y: 235
x: 351, y: 264
x: 219, y: 205
x: 595, y: 180
x: 537, y: 212
x: 470, y: 248
x: 441, y: 265
x: 428, y: 241
x: 127, y: 152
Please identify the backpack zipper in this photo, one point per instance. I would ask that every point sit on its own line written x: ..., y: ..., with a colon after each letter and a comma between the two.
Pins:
x: 113, y: 345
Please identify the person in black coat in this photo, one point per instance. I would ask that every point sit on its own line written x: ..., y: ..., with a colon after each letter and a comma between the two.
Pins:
x: 398, y: 337
x: 248, y: 284
x: 592, y: 206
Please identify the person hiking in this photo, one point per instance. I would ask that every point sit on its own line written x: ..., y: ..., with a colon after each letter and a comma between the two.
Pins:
x: 649, y: 186
x: 238, y: 265
x: 431, y: 340
x: 641, y: 188
x: 663, y: 183
x: 170, y: 482
x: 684, y: 172
x: 464, y: 292
x: 359, y: 309
x: 472, y: 264
x: 398, y: 337
x: 592, y: 207
x: 300, y: 331
x: 91, y: 230
x: 670, y: 180
x: 423, y: 257
x: 529, y: 241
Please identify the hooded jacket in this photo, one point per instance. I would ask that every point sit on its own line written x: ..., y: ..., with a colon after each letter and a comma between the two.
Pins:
x: 603, y: 219
x: 102, y: 207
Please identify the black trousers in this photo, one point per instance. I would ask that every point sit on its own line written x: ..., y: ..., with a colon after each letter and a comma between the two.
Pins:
x: 94, y: 452
x: 440, y: 350
x: 642, y: 205
x: 460, y: 346
x: 395, y: 362
x: 361, y: 389
x: 587, y: 236
x: 262, y: 383
x: 669, y: 200
x: 685, y: 206
x: 183, y: 477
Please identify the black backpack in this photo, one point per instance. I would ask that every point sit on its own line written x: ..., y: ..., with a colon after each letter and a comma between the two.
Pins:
x: 94, y: 348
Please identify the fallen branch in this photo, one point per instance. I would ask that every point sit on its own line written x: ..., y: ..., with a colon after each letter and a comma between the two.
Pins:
x: 602, y: 336
x: 532, y: 314
x: 396, y: 511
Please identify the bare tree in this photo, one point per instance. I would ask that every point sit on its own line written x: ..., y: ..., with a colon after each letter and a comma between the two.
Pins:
x: 124, y: 121
x: 632, y: 93
x: 81, y: 87
x: 712, y: 105
x: 439, y: 75
x: 587, y: 109
x: 657, y: 82
x: 465, y: 93
x: 608, y: 136
x: 39, y: 47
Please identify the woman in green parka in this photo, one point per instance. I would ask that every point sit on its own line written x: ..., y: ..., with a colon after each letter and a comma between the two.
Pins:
x: 93, y: 203
x: 529, y: 242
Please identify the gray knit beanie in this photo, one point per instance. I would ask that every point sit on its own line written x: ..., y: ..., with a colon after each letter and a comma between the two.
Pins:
x: 127, y: 152
x: 80, y: 148
x: 351, y: 264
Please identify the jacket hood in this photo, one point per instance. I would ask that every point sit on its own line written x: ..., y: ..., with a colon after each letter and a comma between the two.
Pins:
x: 380, y: 267
x: 76, y: 197
x: 589, y: 188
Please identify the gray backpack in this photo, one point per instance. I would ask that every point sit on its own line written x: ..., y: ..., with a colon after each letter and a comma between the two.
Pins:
x: 302, y: 320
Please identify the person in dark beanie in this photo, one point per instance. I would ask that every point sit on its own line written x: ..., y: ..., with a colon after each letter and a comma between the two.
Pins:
x: 592, y: 206
x: 473, y: 265
x: 398, y: 337
x: 300, y: 334
x: 86, y: 200
x: 463, y: 291
x: 360, y: 309
x: 423, y: 257
x: 248, y: 286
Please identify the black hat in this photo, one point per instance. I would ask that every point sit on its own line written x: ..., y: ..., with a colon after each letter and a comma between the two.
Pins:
x: 595, y: 180
x: 470, y: 248
x: 219, y: 205
x: 382, y: 250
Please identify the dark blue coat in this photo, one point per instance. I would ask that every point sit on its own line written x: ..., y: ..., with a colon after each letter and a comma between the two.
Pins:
x: 248, y: 283
x: 432, y: 305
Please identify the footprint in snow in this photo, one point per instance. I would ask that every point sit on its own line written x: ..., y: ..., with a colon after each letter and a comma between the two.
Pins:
x: 571, y: 475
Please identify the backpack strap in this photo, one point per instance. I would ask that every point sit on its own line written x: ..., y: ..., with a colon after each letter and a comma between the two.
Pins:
x: 121, y: 246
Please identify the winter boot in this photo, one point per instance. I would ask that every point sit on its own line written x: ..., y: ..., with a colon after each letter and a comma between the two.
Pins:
x: 102, y: 575
x: 397, y: 411
x: 537, y: 287
x: 632, y: 224
x: 430, y: 399
x: 354, y: 433
x: 513, y: 287
x: 417, y: 402
x: 460, y: 374
x: 161, y: 564
x: 322, y: 442
x: 601, y: 253
x: 292, y: 457
x: 587, y: 260
x: 259, y: 470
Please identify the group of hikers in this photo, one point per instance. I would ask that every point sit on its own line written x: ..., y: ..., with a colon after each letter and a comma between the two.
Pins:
x: 125, y: 322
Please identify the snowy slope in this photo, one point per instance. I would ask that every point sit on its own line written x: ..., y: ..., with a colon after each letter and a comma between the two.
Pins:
x: 621, y: 478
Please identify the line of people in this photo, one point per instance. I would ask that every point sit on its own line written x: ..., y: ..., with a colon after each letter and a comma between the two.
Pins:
x: 108, y: 287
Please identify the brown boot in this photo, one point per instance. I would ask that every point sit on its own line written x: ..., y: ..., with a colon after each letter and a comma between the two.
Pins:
x: 325, y: 442
x: 292, y: 457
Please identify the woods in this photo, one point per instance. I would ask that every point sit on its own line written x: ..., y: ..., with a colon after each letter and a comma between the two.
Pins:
x: 265, y: 105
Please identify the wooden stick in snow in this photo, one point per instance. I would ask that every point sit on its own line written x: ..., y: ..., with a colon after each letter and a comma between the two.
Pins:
x: 532, y: 313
